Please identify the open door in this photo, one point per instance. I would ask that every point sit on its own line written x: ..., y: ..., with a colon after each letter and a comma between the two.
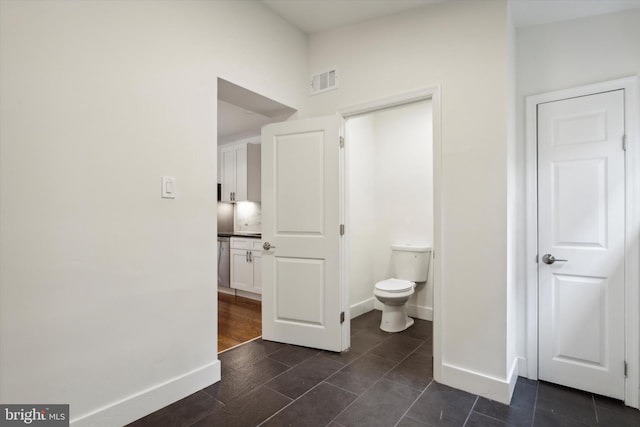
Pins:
x: 303, y: 298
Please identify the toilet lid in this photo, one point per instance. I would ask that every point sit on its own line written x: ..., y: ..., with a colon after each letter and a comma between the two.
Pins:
x: 394, y: 285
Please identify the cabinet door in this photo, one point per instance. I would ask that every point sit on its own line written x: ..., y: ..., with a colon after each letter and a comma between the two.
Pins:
x: 254, y: 171
x: 241, y: 270
x: 256, y: 260
x: 241, y: 243
x: 228, y: 173
x: 241, y: 172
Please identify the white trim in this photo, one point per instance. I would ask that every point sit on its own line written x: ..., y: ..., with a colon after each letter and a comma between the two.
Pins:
x: 434, y: 93
x: 226, y: 290
x: 248, y: 295
x: 345, y: 338
x: 389, y: 102
x: 632, y: 253
x: 481, y: 384
x: 361, y: 307
x: 513, y: 377
x: 531, y: 252
x: 147, y: 401
x: 438, y: 226
x: 420, y: 312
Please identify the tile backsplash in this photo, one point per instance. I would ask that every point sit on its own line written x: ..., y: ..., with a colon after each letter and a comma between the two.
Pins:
x: 248, y: 217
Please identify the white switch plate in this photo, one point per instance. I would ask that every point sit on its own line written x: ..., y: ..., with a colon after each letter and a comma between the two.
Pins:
x: 168, y: 187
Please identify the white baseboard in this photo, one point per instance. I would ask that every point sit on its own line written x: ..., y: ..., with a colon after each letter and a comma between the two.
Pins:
x: 513, y: 376
x: 250, y: 295
x: 361, y: 307
x: 420, y: 312
x: 483, y: 385
x: 416, y: 311
x: 147, y: 401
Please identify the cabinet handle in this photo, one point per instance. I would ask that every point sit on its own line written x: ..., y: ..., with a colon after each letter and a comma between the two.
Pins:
x: 250, y: 256
x: 246, y: 256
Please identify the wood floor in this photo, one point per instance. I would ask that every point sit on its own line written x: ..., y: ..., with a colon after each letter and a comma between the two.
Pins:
x: 239, y: 320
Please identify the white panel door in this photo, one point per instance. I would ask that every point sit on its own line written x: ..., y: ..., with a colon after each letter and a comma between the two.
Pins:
x: 581, y: 190
x: 301, y: 287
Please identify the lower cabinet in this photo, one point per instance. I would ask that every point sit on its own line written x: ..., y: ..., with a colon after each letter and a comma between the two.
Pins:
x: 246, y: 264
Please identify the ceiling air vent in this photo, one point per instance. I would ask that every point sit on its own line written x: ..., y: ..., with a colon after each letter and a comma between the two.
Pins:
x: 324, y: 81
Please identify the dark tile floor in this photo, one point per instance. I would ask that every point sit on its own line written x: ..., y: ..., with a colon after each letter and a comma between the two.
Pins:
x: 384, y: 380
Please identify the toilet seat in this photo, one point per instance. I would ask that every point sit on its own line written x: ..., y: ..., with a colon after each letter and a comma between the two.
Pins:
x: 395, y: 285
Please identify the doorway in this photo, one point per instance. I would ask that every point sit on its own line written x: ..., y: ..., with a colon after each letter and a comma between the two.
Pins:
x: 302, y: 163
x: 431, y: 94
x: 583, y: 290
x: 389, y: 199
x: 241, y: 115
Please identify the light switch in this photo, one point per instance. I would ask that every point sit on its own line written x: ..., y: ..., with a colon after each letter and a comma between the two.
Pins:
x: 168, y: 187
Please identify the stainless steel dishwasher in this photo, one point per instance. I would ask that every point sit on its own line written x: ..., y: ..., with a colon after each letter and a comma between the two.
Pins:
x: 223, y: 261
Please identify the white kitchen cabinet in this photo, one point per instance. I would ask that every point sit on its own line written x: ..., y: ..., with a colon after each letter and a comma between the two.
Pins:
x: 240, y: 172
x: 246, y: 264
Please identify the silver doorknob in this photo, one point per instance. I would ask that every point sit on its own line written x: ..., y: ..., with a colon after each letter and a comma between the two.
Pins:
x: 266, y: 246
x: 550, y: 259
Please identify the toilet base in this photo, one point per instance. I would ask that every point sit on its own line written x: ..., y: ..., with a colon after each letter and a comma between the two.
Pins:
x: 395, y: 319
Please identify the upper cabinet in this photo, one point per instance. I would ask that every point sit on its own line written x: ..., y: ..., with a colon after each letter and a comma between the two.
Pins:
x: 240, y: 172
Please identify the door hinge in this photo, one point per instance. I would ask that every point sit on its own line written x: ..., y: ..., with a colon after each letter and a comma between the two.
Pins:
x: 625, y: 368
x: 624, y: 142
x: 341, y: 317
x: 342, y: 229
x: 536, y: 258
x: 342, y: 142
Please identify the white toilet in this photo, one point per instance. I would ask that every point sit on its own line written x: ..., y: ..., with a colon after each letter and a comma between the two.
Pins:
x: 410, y: 264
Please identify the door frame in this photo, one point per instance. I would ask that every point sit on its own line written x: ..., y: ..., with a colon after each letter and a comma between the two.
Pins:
x: 432, y: 93
x: 632, y: 227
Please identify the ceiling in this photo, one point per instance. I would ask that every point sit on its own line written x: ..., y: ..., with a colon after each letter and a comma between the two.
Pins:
x: 312, y: 16
x: 535, y: 12
x: 242, y: 113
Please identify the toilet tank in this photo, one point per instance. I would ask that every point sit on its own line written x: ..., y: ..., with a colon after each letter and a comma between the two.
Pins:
x: 410, y: 262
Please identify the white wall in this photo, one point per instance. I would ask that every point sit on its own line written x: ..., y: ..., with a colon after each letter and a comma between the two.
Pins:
x: 463, y: 47
x: 390, y: 170
x: 404, y: 189
x: 559, y: 56
x: 360, y: 148
x: 108, y: 292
